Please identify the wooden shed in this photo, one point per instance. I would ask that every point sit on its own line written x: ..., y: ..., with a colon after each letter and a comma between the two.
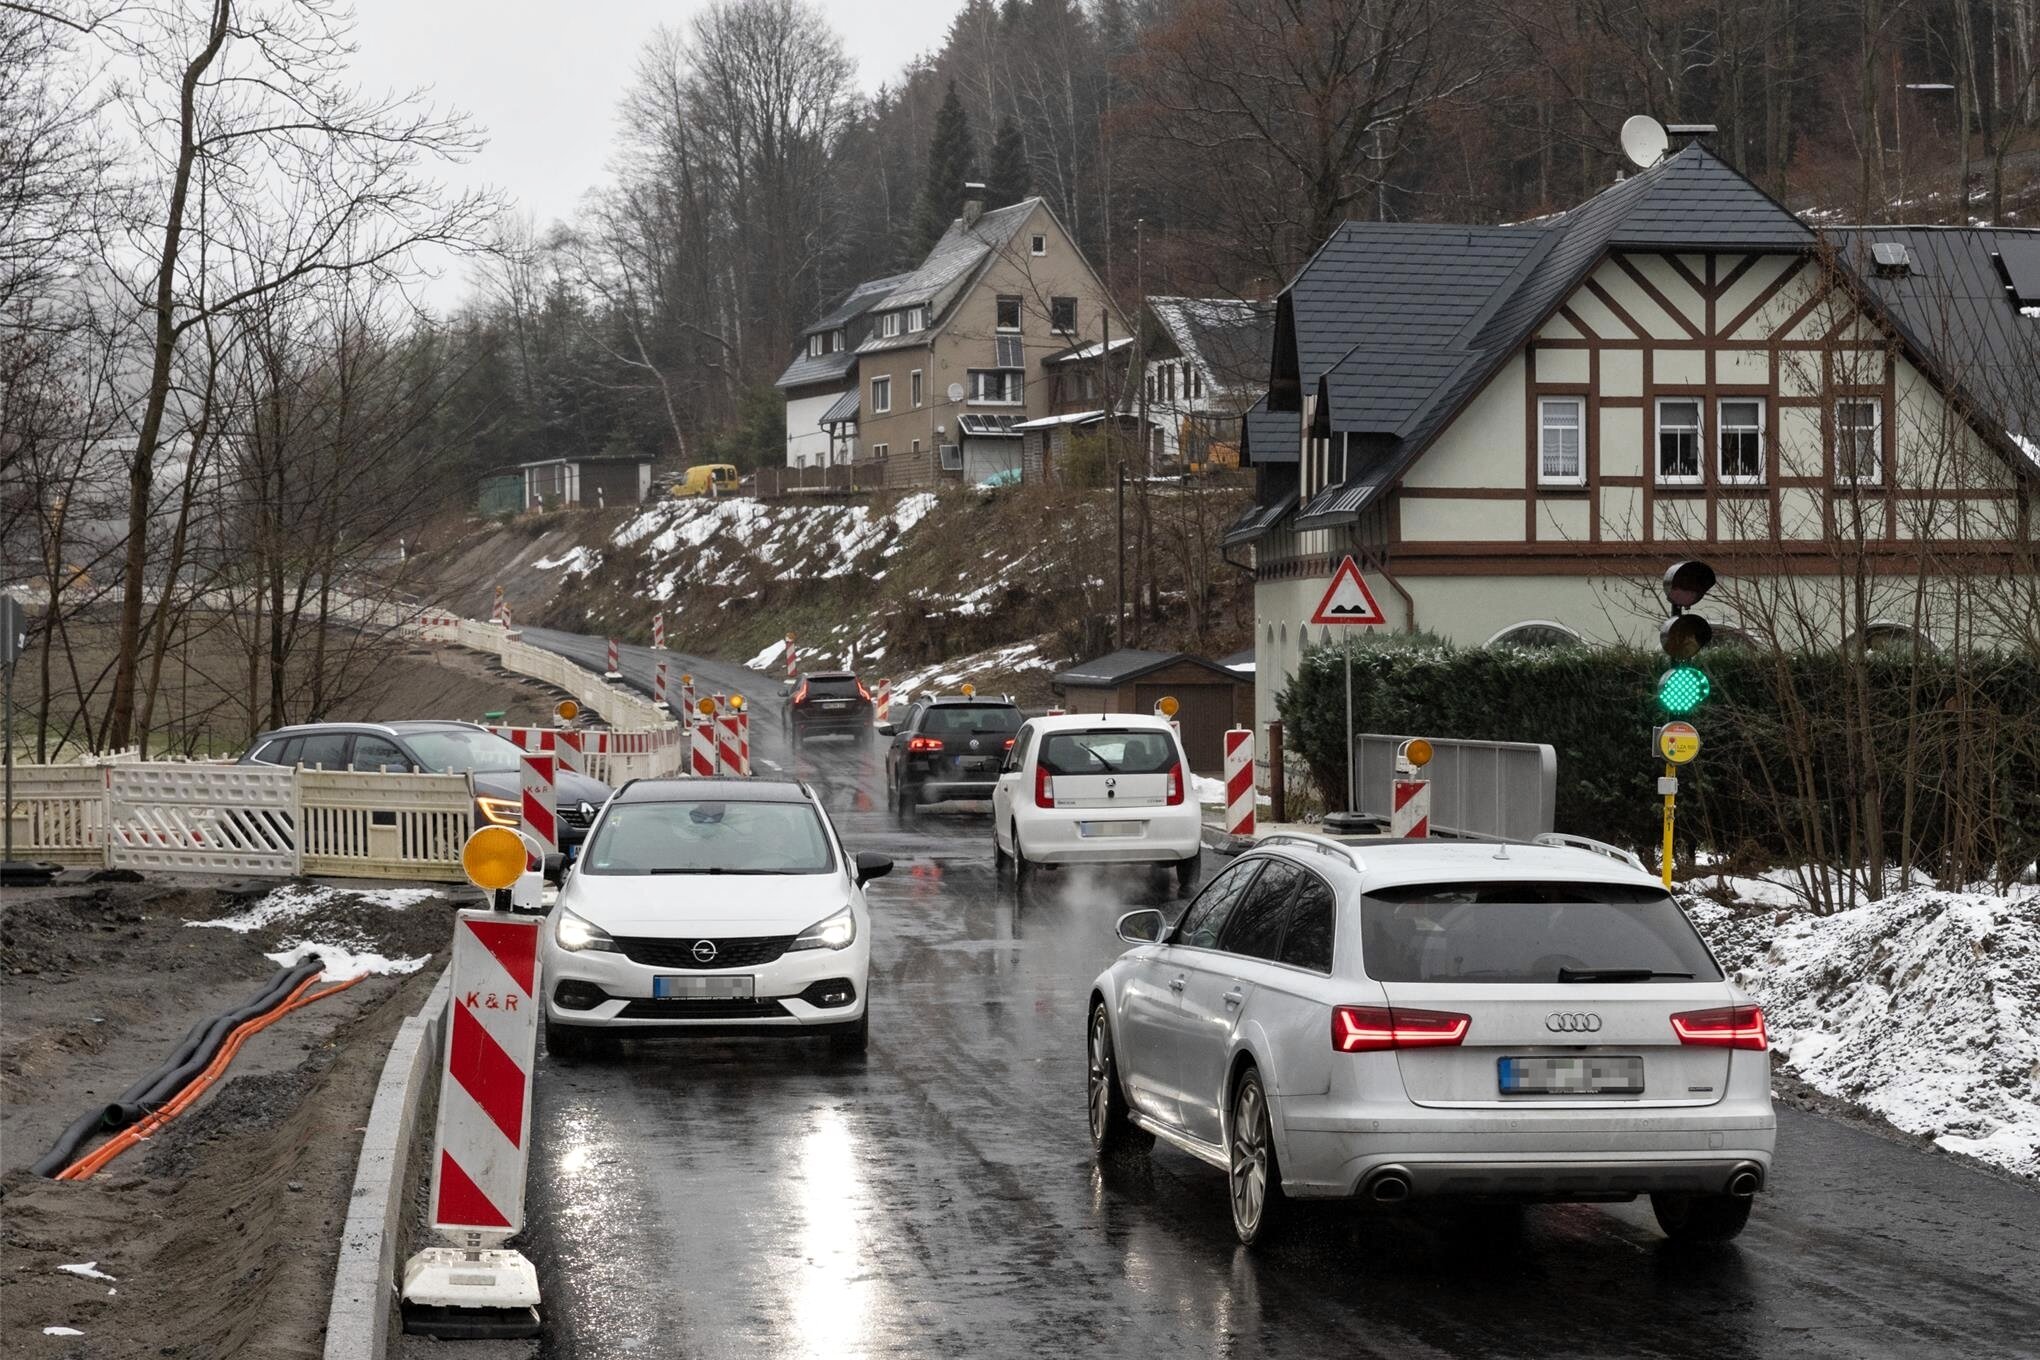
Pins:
x: 595, y: 482
x: 1132, y: 680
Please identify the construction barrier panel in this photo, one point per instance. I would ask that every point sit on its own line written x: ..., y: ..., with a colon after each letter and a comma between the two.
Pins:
x: 881, y: 707
x: 729, y: 742
x: 538, y: 807
x: 202, y: 818
x: 1239, y: 781
x: 59, y: 814
x: 659, y: 632
x: 1409, y: 814
x: 704, y: 750
x: 365, y: 824
x: 484, y: 1133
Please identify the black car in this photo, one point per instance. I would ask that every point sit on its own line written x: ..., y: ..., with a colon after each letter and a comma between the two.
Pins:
x: 949, y: 748
x: 434, y: 747
x: 829, y: 703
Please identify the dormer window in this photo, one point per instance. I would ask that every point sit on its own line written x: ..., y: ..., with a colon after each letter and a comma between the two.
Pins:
x: 889, y: 324
x: 815, y: 347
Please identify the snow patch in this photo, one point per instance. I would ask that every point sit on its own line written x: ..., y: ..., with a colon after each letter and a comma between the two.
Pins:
x: 344, y: 965
x: 1210, y: 792
x: 767, y: 657
x: 88, y: 1269
x: 294, y: 901
x: 577, y: 561
x: 1924, y: 1007
x: 61, y: 1331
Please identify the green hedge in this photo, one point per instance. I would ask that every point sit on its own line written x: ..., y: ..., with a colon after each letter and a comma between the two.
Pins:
x: 1762, y: 781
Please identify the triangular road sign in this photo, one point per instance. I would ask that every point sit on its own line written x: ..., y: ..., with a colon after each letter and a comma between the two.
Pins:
x: 1348, y: 600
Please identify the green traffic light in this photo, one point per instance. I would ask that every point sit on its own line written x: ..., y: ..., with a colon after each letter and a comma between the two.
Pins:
x: 1683, y: 689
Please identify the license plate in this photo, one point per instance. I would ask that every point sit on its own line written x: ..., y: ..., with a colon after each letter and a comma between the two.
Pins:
x: 704, y: 988
x: 835, y: 705
x: 1109, y: 828
x: 1592, y: 1074
x: 979, y: 763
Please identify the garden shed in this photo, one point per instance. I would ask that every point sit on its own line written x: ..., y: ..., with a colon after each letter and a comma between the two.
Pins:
x: 1132, y: 680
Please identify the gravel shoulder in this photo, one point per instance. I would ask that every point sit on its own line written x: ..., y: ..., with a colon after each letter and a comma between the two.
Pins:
x: 220, y: 1233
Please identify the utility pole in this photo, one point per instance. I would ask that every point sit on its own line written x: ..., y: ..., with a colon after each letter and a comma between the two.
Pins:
x: 1139, y: 365
x: 1119, y: 628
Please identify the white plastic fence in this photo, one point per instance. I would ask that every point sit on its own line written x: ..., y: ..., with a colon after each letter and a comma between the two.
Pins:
x: 200, y: 817
x: 624, y: 709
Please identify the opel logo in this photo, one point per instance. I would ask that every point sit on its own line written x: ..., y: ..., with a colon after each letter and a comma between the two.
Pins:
x: 704, y: 952
x: 1572, y: 1022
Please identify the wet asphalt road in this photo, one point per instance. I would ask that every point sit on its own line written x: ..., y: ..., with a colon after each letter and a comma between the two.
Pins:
x: 939, y: 1197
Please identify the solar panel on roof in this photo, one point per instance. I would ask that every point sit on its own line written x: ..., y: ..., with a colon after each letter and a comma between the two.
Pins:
x: 2020, y: 259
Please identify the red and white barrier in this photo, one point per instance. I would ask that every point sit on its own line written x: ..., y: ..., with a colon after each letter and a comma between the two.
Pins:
x: 503, y: 616
x: 722, y: 701
x: 614, y: 668
x: 1239, y: 781
x: 703, y: 765
x: 744, y: 743
x: 881, y: 707
x: 729, y: 742
x: 539, y: 806
x: 659, y: 632
x: 687, y: 696
x: 1055, y: 713
x: 566, y: 748
x: 792, y: 661
x: 659, y: 682
x: 1410, y: 815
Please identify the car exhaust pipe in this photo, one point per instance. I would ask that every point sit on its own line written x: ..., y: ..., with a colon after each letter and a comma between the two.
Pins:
x: 1745, y: 1182
x: 1390, y: 1185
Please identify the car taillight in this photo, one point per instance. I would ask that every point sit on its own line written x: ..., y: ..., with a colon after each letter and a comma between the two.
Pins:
x: 1727, y: 1027
x: 863, y: 691
x: 1044, y: 796
x: 1009, y: 743
x: 925, y: 744
x: 1371, y: 1029
x: 1176, y: 784
x: 800, y: 695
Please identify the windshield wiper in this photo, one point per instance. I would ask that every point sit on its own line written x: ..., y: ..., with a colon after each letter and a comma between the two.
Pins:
x: 1615, y: 975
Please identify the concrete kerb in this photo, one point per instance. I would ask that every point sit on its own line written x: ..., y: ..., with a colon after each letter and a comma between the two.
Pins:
x: 358, y: 1321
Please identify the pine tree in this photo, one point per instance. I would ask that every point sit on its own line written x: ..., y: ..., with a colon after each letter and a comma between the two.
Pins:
x: 952, y: 160
x: 1011, y: 180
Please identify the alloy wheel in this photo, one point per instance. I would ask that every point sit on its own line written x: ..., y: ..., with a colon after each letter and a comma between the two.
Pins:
x: 1101, y: 1077
x: 1249, y: 1158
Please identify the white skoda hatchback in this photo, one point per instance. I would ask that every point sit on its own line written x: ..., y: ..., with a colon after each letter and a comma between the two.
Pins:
x: 1412, y: 1019
x: 1096, y: 790
x: 710, y: 907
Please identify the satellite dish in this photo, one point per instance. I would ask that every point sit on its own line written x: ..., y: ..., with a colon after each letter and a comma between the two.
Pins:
x: 956, y: 391
x: 1644, y: 140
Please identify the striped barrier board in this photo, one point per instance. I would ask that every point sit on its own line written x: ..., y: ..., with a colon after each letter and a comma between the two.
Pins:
x: 659, y: 682
x: 881, y: 707
x: 539, y: 807
x: 659, y: 632
x: 729, y: 738
x: 484, y: 1132
x: 1410, y: 811
x: 744, y: 743
x: 614, y: 669
x: 1239, y: 781
x: 792, y: 659
x: 703, y: 765
x: 687, y: 696
x: 566, y: 749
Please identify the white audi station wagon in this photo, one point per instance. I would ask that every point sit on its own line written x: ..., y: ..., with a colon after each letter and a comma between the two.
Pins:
x: 710, y: 907
x: 1399, y: 1020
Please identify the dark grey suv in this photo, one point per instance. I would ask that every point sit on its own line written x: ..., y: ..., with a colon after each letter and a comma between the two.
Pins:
x: 433, y: 747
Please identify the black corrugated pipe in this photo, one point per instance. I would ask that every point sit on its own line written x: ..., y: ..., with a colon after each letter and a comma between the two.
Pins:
x: 194, y: 1052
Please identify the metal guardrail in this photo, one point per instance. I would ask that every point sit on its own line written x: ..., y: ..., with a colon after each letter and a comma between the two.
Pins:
x: 1507, y: 789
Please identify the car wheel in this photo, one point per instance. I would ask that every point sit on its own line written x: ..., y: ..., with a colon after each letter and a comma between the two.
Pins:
x: 1188, y: 871
x: 570, y: 1043
x: 1256, y: 1179
x: 1701, y: 1218
x: 1023, y: 870
x: 1112, y: 1131
x: 851, y: 1043
x: 1002, y: 863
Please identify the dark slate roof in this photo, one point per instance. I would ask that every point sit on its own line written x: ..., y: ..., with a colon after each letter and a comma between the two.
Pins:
x: 1229, y: 338
x: 806, y: 370
x: 1953, y: 310
x: 1270, y: 436
x: 1257, y: 520
x: 844, y: 409
x: 950, y: 266
x: 1129, y: 663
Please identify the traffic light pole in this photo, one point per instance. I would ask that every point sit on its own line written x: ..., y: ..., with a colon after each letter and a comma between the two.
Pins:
x: 1671, y: 773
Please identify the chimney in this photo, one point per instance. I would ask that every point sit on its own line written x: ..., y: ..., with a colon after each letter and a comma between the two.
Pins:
x: 973, y: 202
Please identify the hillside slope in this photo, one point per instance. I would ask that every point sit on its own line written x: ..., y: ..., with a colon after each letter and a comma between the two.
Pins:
x: 999, y: 588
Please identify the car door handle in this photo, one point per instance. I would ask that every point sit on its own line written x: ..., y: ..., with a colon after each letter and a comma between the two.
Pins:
x: 1176, y: 985
x: 1234, y: 997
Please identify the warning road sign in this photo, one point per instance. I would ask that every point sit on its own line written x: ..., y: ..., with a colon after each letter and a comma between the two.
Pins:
x: 1348, y: 600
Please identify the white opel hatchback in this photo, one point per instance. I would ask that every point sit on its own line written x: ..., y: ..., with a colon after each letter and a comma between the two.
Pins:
x: 1411, y: 1019
x: 711, y: 907
x: 1096, y: 790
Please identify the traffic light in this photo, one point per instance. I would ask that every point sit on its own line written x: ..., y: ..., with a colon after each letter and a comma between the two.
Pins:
x: 1683, y: 635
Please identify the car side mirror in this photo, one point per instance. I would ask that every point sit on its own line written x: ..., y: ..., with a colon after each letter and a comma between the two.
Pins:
x: 870, y: 866
x: 1142, y: 927
x: 555, y: 867
x: 884, y: 729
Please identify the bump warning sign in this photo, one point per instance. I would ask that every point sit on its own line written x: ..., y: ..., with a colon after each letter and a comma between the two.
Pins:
x: 1348, y: 600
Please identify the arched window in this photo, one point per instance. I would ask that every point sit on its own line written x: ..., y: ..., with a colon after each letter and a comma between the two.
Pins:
x: 1536, y: 633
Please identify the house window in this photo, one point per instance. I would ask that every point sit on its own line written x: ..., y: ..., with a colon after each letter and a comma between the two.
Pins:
x: 1009, y: 314
x: 878, y: 450
x: 815, y: 347
x: 914, y: 387
x: 881, y: 396
x: 1150, y: 387
x: 1859, y: 440
x: 889, y: 324
x: 1038, y: 244
x: 1168, y: 382
x: 1678, y: 441
x: 1062, y: 315
x: 997, y: 386
x: 1741, y: 432
x: 914, y: 447
x: 1561, y: 458
x: 952, y: 457
x: 1196, y: 384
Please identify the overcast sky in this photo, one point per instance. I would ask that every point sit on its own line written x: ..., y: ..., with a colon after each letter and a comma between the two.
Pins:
x: 543, y: 76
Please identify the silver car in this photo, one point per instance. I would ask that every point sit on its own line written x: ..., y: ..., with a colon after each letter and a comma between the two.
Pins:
x: 1412, y: 1019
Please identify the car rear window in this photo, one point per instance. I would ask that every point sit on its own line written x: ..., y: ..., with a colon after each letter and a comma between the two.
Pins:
x: 963, y: 720
x: 1108, y: 750
x: 832, y: 687
x: 709, y: 837
x: 1525, y: 932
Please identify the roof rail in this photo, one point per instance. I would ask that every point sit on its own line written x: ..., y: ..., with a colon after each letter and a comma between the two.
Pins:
x: 1324, y: 845
x: 1566, y: 841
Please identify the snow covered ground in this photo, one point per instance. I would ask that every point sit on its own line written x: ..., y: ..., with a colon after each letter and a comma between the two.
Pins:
x: 1924, y: 1007
x: 302, y: 905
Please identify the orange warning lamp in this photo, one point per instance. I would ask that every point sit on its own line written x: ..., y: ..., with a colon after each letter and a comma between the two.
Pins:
x: 493, y: 857
x: 737, y: 702
x: 686, y: 679
x: 1167, y: 705
x: 968, y: 690
x: 566, y: 710
x: 707, y: 707
x: 1413, y: 754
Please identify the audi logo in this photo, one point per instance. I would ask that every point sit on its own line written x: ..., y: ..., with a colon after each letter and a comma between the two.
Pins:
x: 704, y: 952
x: 1573, y: 1022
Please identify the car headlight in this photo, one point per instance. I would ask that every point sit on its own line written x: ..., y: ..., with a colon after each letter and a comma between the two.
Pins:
x: 833, y: 932
x: 576, y: 935
x: 499, y: 811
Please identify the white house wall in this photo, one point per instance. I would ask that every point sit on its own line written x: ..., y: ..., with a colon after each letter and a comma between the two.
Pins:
x: 807, y: 444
